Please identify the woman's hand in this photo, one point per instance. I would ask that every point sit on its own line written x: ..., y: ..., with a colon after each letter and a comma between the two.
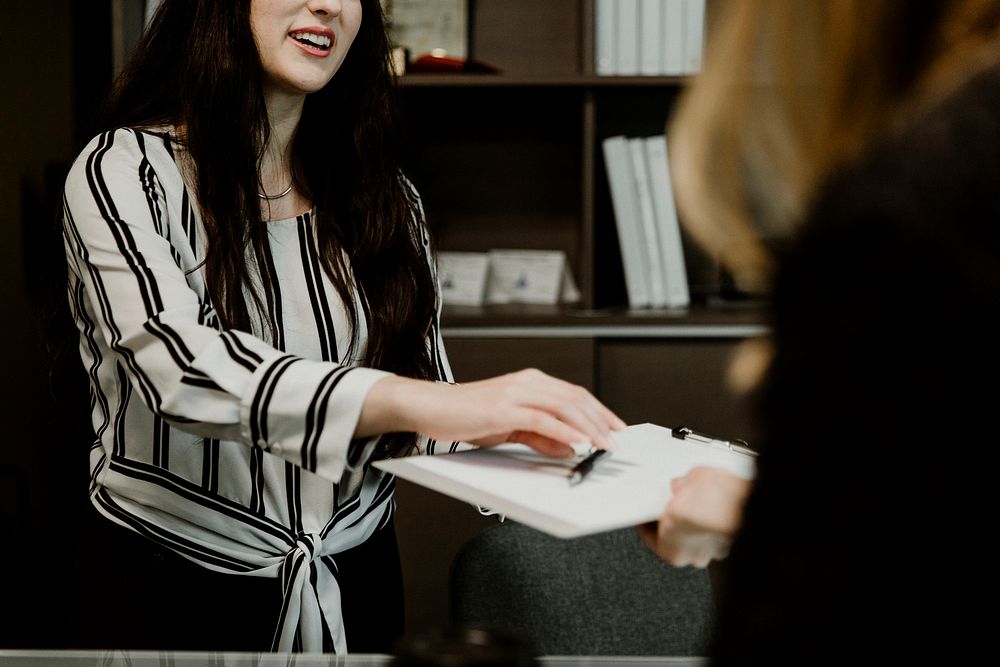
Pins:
x: 530, y: 407
x: 701, y: 518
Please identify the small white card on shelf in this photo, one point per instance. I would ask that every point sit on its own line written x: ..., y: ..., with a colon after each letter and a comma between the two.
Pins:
x: 528, y: 276
x: 462, y: 276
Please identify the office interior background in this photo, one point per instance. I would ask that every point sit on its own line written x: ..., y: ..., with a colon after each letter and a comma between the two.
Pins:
x: 58, y: 59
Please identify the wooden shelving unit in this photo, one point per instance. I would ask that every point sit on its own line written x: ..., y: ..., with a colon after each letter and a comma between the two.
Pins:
x: 457, y: 80
x: 514, y: 160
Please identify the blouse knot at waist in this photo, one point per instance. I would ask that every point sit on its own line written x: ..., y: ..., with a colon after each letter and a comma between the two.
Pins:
x: 310, y: 610
x: 308, y: 544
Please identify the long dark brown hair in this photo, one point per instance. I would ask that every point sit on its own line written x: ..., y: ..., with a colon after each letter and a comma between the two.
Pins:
x: 197, y: 68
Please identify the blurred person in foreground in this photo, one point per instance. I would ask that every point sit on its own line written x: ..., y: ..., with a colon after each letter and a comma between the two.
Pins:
x: 844, y: 158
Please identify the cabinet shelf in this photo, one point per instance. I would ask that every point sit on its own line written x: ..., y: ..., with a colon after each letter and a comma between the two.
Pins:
x: 736, y: 319
x: 459, y: 80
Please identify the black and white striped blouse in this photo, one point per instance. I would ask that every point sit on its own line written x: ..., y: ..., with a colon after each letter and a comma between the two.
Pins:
x: 231, y: 450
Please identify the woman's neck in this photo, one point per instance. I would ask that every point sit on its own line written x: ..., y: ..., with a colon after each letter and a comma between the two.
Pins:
x: 276, y: 170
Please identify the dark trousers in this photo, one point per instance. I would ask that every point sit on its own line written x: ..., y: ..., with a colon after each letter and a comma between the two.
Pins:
x: 130, y: 593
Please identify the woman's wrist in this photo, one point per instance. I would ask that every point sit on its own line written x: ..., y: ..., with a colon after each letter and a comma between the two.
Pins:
x: 393, y: 405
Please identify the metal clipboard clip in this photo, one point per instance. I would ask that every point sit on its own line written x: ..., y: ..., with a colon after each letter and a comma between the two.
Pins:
x: 737, y: 445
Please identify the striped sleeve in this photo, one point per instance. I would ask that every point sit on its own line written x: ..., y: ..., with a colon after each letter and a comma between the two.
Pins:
x: 212, y: 382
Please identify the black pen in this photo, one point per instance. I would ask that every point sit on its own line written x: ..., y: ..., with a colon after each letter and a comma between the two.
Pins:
x: 581, y: 469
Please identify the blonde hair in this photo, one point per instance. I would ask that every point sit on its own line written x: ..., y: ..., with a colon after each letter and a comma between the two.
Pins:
x: 790, y: 90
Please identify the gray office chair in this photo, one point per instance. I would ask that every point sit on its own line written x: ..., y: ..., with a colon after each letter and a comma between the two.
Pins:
x: 604, y: 594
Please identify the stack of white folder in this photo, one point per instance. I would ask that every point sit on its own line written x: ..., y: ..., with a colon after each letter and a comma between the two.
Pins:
x: 649, y: 37
x: 646, y: 220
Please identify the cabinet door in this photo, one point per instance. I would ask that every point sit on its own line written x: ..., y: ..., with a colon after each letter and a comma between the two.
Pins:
x: 672, y: 382
x: 571, y: 359
x: 528, y: 37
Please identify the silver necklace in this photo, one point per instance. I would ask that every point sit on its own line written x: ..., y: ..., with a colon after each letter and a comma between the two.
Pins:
x: 273, y: 197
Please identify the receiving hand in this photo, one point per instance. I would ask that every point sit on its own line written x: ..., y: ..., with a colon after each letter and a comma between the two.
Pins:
x: 701, y: 518
x: 528, y: 406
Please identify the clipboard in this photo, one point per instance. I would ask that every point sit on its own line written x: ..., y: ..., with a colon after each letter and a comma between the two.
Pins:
x: 629, y: 487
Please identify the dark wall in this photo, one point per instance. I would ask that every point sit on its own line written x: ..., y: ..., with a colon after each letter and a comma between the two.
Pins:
x: 55, y: 64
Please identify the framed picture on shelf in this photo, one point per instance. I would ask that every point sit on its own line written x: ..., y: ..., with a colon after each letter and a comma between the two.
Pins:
x: 422, y: 27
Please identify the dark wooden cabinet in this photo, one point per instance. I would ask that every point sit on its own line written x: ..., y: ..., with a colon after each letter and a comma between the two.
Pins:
x: 514, y: 160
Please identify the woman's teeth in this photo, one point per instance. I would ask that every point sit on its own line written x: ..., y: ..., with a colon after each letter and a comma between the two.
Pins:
x: 317, y: 41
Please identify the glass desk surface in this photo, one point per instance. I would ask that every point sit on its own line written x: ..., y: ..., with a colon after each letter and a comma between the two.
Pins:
x: 15, y: 658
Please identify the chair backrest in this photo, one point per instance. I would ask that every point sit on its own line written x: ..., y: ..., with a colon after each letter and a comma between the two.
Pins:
x: 603, y: 594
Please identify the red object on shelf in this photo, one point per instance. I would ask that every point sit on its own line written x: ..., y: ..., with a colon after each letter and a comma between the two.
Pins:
x: 430, y: 63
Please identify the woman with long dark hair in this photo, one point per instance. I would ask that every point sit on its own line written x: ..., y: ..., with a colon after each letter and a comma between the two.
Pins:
x: 252, y: 281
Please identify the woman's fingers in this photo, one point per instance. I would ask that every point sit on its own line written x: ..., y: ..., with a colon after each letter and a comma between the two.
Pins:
x: 572, y: 404
x: 701, y: 518
x: 578, y: 416
x: 681, y: 544
x: 546, y: 428
x: 550, y: 414
x: 599, y: 413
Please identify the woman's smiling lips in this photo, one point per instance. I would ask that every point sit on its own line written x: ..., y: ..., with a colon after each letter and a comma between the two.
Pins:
x: 314, y: 40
